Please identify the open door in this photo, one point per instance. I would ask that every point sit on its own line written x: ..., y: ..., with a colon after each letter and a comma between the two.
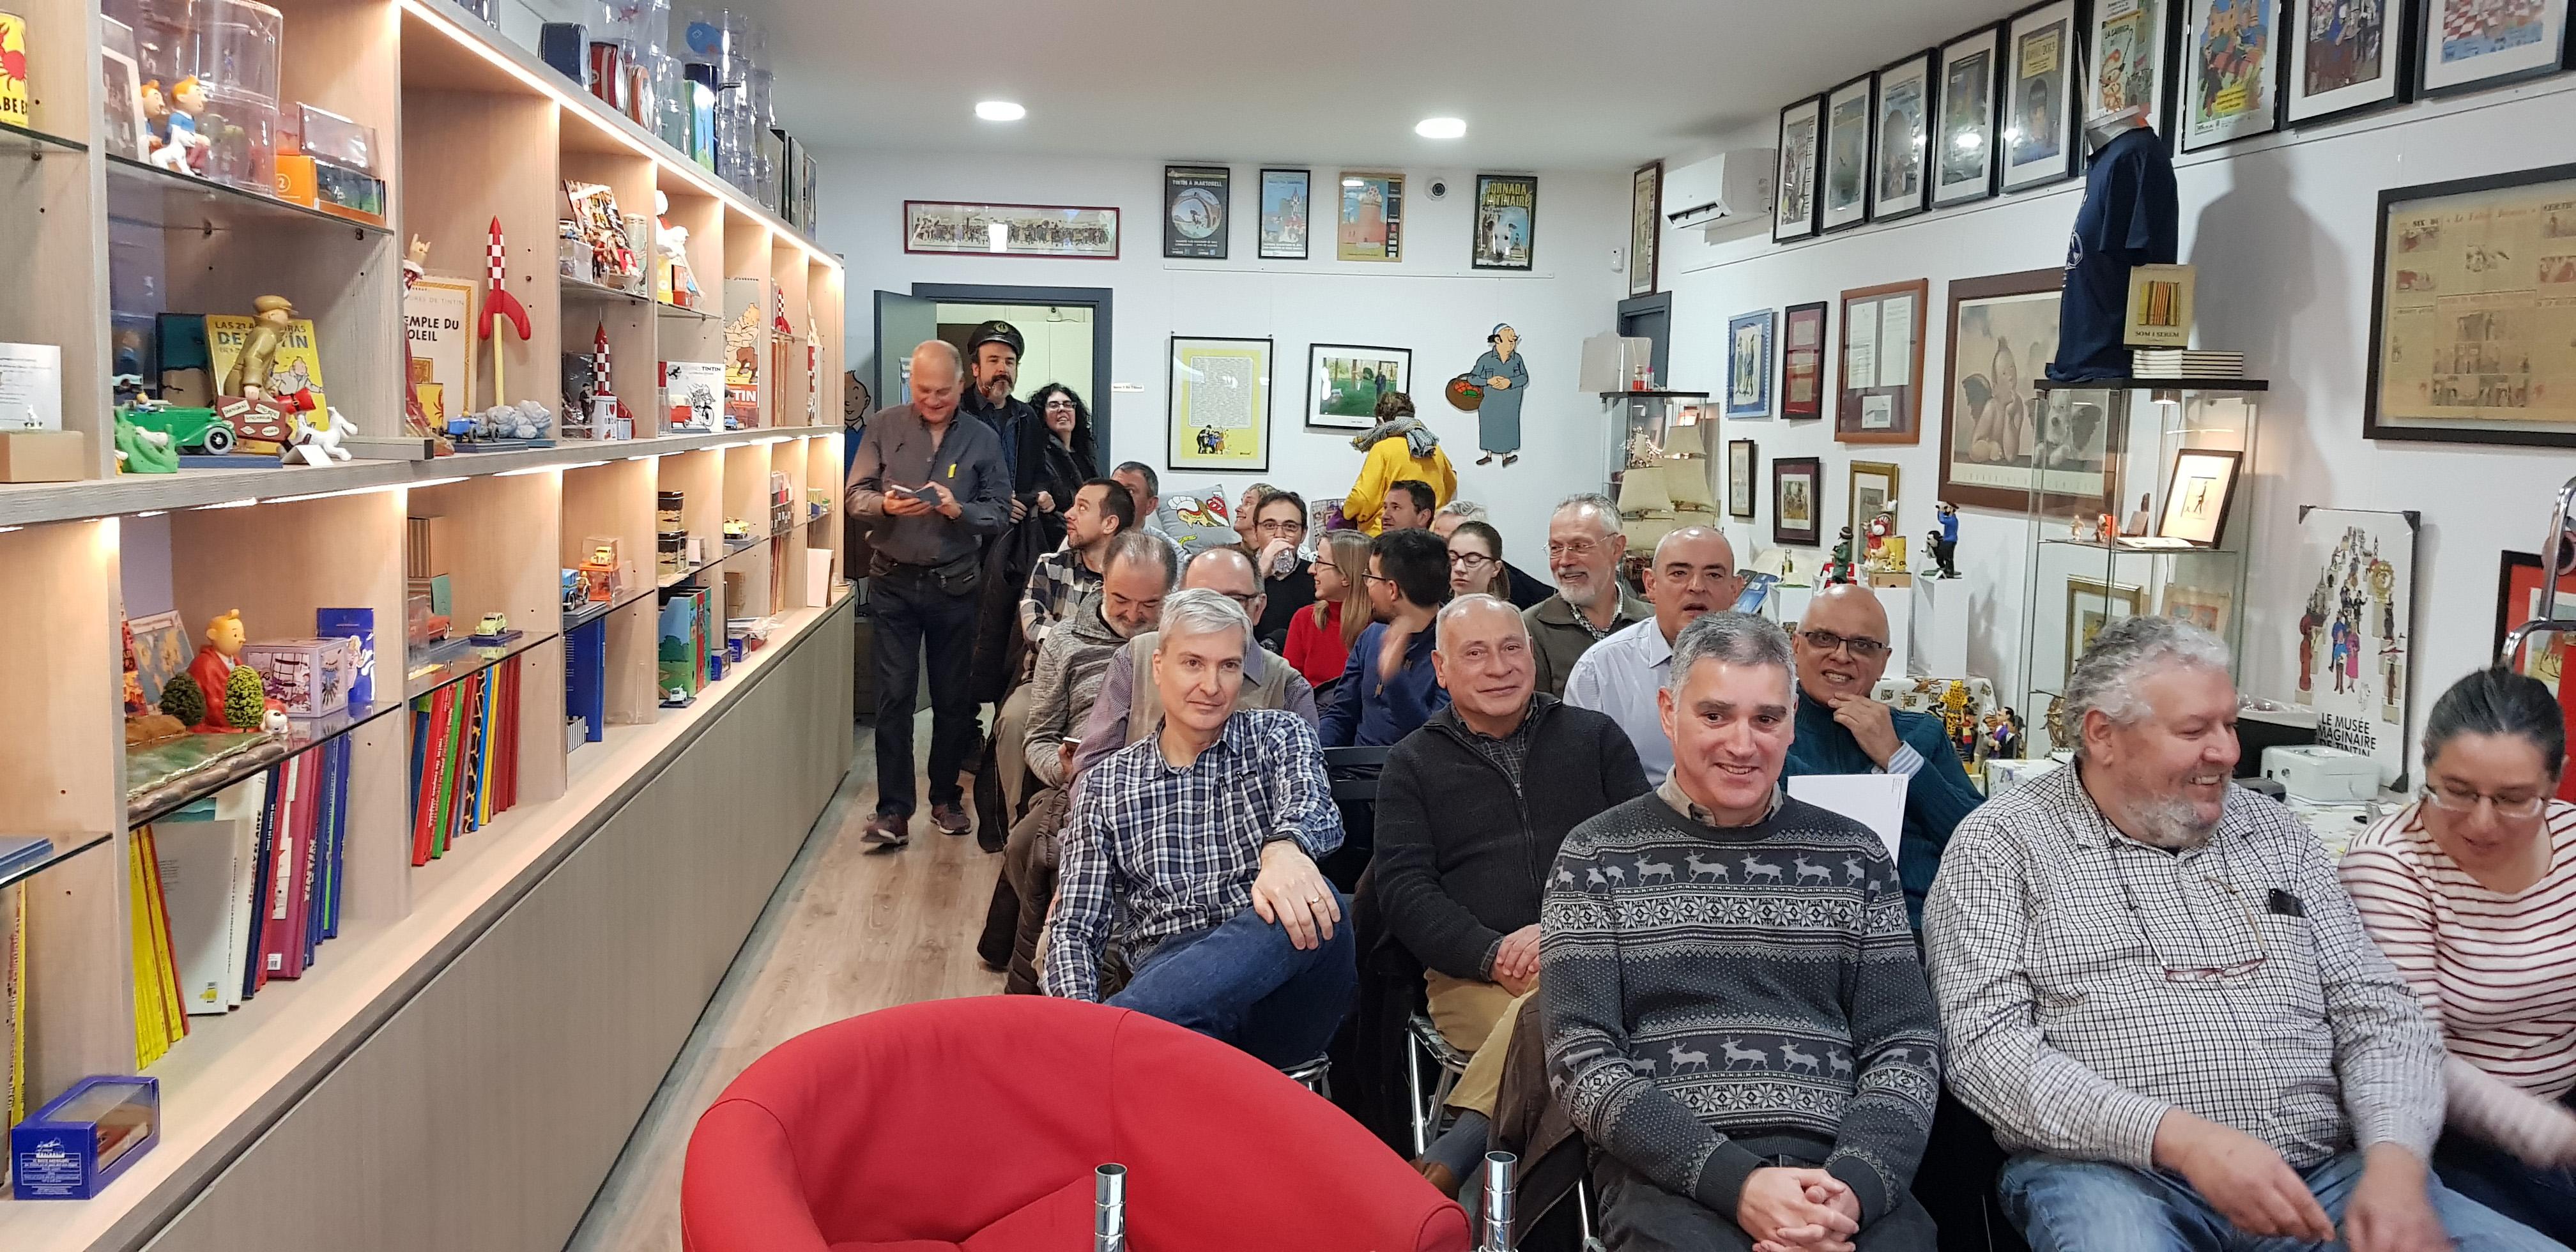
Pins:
x: 902, y: 323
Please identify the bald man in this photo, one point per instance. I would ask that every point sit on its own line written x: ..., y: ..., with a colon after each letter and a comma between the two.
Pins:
x: 1842, y: 648
x: 930, y: 489
x: 1693, y: 573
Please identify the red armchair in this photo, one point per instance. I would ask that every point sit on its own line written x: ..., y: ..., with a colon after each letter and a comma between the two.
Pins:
x: 974, y: 1125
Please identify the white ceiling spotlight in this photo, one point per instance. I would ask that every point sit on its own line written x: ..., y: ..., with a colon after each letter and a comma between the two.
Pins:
x: 1441, y: 128
x: 999, y: 111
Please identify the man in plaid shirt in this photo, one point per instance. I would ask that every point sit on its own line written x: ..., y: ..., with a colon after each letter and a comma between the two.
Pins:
x: 2158, y: 994
x: 1101, y: 510
x: 1195, y: 850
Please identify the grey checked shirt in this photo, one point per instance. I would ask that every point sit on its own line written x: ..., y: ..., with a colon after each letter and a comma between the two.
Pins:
x: 1153, y: 850
x: 2089, y: 982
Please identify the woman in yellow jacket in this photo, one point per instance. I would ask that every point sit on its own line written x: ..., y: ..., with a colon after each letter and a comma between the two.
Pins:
x: 1399, y: 447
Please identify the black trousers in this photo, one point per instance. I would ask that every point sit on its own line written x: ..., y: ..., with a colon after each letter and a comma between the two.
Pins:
x: 913, y: 615
x: 1638, y: 1216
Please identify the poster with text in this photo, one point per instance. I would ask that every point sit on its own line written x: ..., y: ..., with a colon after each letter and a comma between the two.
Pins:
x: 1506, y: 216
x: 2477, y: 302
x: 2232, y: 58
x: 1195, y: 219
x: 1372, y: 220
x: 1284, y: 195
x: 2357, y: 631
x: 1219, y: 404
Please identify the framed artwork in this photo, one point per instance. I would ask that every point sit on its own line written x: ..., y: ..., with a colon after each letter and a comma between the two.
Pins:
x: 2130, y: 69
x: 2231, y: 63
x: 1898, y: 187
x: 1740, y: 455
x: 1802, y: 361
x: 2039, y: 141
x: 2206, y: 607
x: 2197, y: 496
x: 1343, y: 382
x: 1793, y: 210
x: 1069, y: 231
x: 1748, y: 365
x: 1797, y: 495
x: 1879, y: 394
x: 1645, y: 228
x: 2471, y: 45
x: 1963, y: 145
x: 2356, y: 635
x: 1218, y: 407
x: 2517, y: 601
x: 1195, y: 200
x: 122, y: 124
x: 1285, y: 195
x: 2003, y: 334
x: 2346, y: 57
x: 2473, y: 278
x: 2092, y: 605
x: 1873, y: 491
x: 1506, y: 221
x: 1845, y: 202
x: 1372, y: 220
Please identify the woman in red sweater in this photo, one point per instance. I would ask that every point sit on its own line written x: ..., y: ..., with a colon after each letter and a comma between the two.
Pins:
x: 1319, y: 638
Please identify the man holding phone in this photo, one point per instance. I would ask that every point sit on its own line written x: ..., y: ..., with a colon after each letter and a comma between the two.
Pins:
x: 930, y: 489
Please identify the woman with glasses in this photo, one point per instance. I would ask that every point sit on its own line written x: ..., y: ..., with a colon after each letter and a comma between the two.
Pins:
x: 1319, y: 636
x: 1476, y: 561
x: 2471, y: 891
x: 1276, y: 530
x: 1056, y: 455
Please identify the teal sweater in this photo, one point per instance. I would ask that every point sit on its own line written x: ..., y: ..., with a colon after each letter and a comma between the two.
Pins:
x: 1936, y: 798
x: 1699, y: 984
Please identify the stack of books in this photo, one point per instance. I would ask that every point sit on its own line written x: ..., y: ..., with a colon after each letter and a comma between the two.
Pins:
x: 464, y: 758
x: 2186, y: 363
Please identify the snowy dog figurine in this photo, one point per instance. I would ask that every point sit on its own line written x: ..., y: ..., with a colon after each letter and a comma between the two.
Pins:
x: 318, y: 443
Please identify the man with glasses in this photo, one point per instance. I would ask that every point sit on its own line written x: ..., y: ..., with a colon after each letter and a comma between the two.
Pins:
x: 1389, y: 687
x: 1287, y: 580
x: 1584, y: 546
x: 2157, y: 993
x: 1693, y: 573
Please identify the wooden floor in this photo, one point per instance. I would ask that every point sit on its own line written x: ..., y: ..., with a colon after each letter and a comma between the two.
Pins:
x: 851, y: 929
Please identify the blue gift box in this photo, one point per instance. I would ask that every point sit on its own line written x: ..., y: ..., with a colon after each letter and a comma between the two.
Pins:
x: 78, y: 1144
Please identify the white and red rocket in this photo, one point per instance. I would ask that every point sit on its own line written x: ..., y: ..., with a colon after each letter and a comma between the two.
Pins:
x: 499, y: 304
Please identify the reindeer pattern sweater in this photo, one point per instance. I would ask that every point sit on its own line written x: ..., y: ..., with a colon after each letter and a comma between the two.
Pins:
x: 1703, y: 984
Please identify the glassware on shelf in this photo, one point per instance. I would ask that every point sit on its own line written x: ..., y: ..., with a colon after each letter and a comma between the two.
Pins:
x: 209, y: 85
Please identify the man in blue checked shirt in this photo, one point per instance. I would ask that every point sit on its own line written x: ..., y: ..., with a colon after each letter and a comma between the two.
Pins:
x: 1195, y: 851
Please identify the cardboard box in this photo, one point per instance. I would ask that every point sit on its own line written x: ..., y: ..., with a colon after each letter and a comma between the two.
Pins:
x: 43, y: 456
x: 80, y: 1142
x: 309, y: 676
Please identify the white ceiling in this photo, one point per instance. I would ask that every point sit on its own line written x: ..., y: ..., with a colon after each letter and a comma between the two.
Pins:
x: 1542, y: 84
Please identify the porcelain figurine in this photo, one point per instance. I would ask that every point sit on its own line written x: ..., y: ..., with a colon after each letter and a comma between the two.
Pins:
x: 213, y: 668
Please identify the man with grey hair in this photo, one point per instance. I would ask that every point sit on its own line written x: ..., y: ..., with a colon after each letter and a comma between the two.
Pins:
x: 930, y: 489
x: 1734, y: 1013
x: 2158, y: 994
x: 1194, y: 851
x: 1693, y: 573
x: 1584, y: 548
x: 1126, y: 710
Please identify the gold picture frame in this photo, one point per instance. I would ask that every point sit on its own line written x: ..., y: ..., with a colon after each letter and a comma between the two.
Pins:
x: 2206, y: 607
x: 2090, y: 606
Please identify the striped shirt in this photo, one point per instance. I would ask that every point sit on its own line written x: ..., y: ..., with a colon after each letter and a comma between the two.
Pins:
x: 2498, y: 972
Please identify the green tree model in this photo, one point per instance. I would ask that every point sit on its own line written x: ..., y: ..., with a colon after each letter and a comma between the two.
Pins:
x: 183, y: 699
x: 245, y: 701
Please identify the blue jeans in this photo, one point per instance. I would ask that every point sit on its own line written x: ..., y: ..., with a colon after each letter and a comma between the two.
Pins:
x: 2543, y: 1199
x: 1242, y: 982
x: 2064, y: 1205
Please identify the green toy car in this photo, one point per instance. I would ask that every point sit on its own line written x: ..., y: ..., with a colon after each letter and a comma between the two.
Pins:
x: 190, y: 429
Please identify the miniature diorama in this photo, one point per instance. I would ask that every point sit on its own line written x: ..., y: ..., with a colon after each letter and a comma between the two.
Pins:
x: 601, y: 571
x: 1885, y: 551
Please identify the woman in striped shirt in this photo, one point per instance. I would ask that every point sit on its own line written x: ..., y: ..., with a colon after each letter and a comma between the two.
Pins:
x: 2471, y: 891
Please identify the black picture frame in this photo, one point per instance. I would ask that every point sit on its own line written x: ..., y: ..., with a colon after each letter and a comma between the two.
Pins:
x: 1812, y: 469
x: 1953, y: 64
x: 1791, y: 318
x: 1529, y: 242
x: 2164, y: 86
x: 1746, y: 503
x: 2397, y: 65
x: 2069, y: 156
x: 1315, y: 356
x: 2187, y: 67
x: 2374, y: 423
x: 1925, y: 64
x: 1261, y: 245
x: 1198, y: 186
x: 2427, y: 22
x: 1799, y: 168
x: 1865, y: 87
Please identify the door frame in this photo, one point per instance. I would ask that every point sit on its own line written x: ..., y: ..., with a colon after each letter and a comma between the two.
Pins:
x: 1097, y: 299
x: 1638, y: 306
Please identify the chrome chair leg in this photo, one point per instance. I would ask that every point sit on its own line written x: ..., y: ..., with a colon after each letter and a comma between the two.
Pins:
x: 1501, y: 1170
x: 1583, y: 1216
x: 1109, y: 1209
x: 1413, y: 1088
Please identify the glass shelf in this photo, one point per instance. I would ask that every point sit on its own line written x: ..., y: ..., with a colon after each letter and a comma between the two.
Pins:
x: 148, y: 196
x: 469, y: 661
x: 35, y: 143
x: 584, y: 289
x: 65, y: 848
x: 668, y: 309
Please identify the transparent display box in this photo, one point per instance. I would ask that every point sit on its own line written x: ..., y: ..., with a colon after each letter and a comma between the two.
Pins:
x: 2114, y: 531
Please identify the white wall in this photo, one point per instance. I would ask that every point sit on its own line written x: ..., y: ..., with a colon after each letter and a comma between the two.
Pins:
x: 2282, y: 230
x: 1431, y: 302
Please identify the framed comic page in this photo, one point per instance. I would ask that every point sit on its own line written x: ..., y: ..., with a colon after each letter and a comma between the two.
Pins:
x: 2231, y: 62
x: 1898, y: 186
x: 2471, y: 45
x: 2040, y: 144
x: 2346, y: 57
x: 2473, y: 279
x: 1845, y: 202
x: 1963, y: 145
x: 2131, y: 65
x: 1793, y: 210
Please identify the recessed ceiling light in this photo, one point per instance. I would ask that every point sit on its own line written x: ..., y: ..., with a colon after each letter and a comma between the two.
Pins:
x: 1441, y: 127
x: 999, y: 111
x: 1354, y: 182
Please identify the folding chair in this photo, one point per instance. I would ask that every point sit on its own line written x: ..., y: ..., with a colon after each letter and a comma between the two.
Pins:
x: 1429, y: 1115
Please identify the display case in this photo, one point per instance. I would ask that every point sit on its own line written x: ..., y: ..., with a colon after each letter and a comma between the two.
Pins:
x: 2138, y: 504
x: 1658, y: 461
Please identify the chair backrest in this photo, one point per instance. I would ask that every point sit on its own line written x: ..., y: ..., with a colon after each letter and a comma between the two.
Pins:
x: 1354, y: 772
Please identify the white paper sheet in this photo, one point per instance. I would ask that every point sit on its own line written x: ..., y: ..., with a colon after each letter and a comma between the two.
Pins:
x: 1874, y: 800
x: 1896, y: 341
x: 1860, y: 348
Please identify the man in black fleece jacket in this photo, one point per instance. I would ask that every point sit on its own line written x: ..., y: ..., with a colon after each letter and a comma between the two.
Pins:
x: 1470, y: 810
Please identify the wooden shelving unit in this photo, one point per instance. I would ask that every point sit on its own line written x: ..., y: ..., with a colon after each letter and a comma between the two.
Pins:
x: 469, y: 128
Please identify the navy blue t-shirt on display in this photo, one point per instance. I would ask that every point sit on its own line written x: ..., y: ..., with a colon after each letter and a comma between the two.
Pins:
x: 2131, y: 217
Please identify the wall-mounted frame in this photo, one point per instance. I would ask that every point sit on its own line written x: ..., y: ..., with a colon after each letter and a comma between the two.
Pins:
x: 2472, y: 45
x: 1793, y: 208
x: 1962, y: 160
x: 2092, y: 604
x: 1879, y: 379
x: 1802, y: 360
x: 1748, y: 365
x: 1741, y: 456
x: 1506, y: 222
x: 2340, y: 67
x: 1870, y: 489
x: 2198, y: 495
x: 1198, y: 211
x: 1218, y: 407
x: 1343, y: 382
x: 2231, y: 72
x: 1645, y: 229
x: 1843, y: 200
x: 1797, y: 500
x: 2449, y: 374
x: 1900, y: 185
x: 2038, y: 134
x: 1287, y: 210
x: 1077, y: 232
x: 1370, y: 224
x: 2002, y: 334
x: 2129, y: 49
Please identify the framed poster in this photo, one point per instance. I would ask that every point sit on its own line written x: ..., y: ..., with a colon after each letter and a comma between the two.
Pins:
x: 438, y: 326
x: 1740, y: 456
x: 1195, y: 218
x: 1506, y: 221
x: 122, y: 123
x: 2231, y: 63
x: 2206, y: 607
x: 1285, y: 195
x: 2346, y: 57
x: 2039, y: 128
x: 1218, y: 407
x: 1748, y: 365
x: 2356, y: 636
x: 2471, y: 45
x: 938, y: 226
x: 1963, y: 145
x: 1793, y: 211
x: 1872, y: 492
x: 2092, y: 605
x: 1343, y: 382
x: 1847, y: 127
x: 1878, y: 392
x: 2517, y: 601
x: 2198, y: 494
x: 2003, y: 334
x: 1898, y: 187
x: 2130, y: 69
x: 1645, y: 227
x: 1802, y: 361
x: 1372, y: 219
x: 2474, y: 280
x: 1797, y: 495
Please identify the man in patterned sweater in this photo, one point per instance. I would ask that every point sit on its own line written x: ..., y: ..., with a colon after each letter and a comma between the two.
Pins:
x: 1734, y: 1012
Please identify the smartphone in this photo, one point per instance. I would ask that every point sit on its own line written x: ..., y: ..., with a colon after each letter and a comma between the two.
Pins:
x: 922, y: 493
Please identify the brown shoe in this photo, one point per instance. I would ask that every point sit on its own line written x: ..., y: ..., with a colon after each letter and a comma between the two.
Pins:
x: 949, y: 818
x: 1438, y: 1175
x: 887, y: 829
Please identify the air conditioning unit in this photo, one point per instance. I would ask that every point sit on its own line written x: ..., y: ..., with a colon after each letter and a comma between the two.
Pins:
x: 1722, y: 193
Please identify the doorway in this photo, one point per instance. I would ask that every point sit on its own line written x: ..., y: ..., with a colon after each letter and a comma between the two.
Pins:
x: 1066, y: 332
x: 1651, y: 317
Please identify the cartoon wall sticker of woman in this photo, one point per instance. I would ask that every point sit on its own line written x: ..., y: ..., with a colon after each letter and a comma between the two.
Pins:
x: 1504, y: 376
